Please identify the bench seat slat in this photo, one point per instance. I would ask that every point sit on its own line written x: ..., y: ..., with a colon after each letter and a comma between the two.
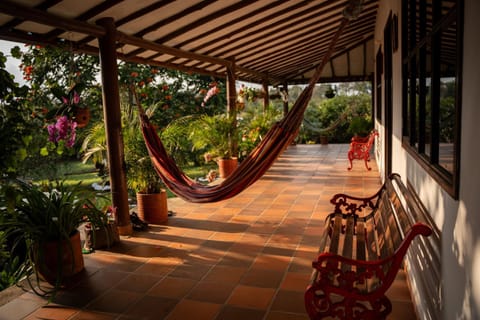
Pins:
x: 348, y: 240
x: 335, y: 236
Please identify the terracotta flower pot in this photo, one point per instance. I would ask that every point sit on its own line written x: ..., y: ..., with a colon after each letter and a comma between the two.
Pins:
x: 60, y: 260
x: 152, y: 207
x: 227, y: 166
x: 82, y: 117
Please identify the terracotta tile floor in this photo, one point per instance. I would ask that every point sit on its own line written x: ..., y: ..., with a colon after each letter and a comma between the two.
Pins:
x: 245, y: 258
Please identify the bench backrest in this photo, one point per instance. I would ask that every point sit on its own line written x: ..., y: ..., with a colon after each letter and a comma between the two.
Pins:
x: 393, y: 219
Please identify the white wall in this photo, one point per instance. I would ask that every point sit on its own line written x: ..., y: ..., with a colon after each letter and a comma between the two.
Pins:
x: 458, y: 221
x: 462, y: 227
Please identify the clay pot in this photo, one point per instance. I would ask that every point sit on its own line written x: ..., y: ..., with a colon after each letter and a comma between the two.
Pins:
x: 227, y: 166
x: 152, y: 207
x: 60, y: 260
x: 82, y: 117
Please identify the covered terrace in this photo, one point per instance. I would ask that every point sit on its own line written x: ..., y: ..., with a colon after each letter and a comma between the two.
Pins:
x: 244, y: 258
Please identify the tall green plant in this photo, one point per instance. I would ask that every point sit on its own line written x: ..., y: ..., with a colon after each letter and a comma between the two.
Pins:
x: 212, y: 134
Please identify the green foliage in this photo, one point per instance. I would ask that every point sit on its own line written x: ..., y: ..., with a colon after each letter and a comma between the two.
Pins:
x: 141, y: 175
x: 213, y: 134
x: 33, y: 215
x: 332, y: 117
x: 176, y: 139
x: 18, y: 125
x: 253, y: 124
x: 360, y: 126
x: 49, y: 212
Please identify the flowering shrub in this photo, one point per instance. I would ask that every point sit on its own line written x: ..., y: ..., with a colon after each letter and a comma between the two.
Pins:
x: 63, y: 129
x: 213, y: 91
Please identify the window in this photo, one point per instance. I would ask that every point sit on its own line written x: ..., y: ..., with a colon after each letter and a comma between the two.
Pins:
x: 432, y: 50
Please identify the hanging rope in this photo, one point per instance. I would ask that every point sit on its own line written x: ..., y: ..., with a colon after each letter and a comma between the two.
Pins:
x: 253, y: 166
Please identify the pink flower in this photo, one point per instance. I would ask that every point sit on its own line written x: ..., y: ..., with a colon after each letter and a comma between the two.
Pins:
x: 210, y: 93
x: 52, y: 133
x: 76, y: 97
x: 63, y: 129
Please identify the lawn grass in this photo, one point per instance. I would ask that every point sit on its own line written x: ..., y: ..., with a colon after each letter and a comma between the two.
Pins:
x: 75, y: 172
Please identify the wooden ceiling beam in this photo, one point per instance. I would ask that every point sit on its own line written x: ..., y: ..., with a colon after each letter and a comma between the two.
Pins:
x: 195, y: 24
x: 86, y: 16
x: 239, y: 19
x: 300, y: 44
x: 294, y: 56
x: 253, y: 26
x: 36, y: 15
x: 42, y: 6
x: 336, y: 55
x: 134, y: 15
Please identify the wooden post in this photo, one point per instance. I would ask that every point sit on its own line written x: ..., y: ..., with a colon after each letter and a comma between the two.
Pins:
x: 232, y: 108
x: 113, y: 125
x: 266, y: 98
x: 285, y: 101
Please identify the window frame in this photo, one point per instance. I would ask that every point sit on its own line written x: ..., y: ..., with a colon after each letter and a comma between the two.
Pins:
x: 414, y: 55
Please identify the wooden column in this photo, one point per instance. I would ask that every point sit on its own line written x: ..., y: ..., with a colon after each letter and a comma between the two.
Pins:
x: 266, y: 98
x: 231, y: 107
x: 285, y: 103
x: 113, y: 125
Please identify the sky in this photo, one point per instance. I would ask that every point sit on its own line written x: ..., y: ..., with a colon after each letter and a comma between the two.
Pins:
x: 12, y: 64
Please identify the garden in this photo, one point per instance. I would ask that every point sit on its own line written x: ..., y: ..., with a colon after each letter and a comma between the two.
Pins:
x: 53, y: 137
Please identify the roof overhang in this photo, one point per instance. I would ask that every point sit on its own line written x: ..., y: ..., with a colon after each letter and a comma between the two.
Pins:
x: 274, y: 41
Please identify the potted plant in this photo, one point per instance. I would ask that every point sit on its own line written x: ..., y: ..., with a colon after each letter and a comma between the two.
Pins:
x: 330, y: 92
x: 142, y: 178
x: 217, y: 135
x: 46, y: 219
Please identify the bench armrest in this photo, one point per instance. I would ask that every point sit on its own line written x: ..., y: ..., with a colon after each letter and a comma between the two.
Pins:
x: 346, y: 276
x: 353, y: 278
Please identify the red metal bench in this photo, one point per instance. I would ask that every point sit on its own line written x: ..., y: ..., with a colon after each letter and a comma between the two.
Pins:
x: 360, y: 148
x: 361, y: 251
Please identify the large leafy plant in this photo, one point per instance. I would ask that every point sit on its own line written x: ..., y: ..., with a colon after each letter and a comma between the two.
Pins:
x: 49, y: 212
x: 34, y: 215
x: 141, y: 175
x: 214, y: 134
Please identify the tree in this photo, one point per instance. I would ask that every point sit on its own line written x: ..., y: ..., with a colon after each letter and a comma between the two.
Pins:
x: 18, y: 122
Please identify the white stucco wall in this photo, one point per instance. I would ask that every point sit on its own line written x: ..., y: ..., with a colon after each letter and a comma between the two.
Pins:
x: 458, y: 220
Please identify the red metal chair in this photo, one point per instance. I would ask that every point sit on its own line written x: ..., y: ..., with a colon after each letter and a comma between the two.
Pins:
x: 360, y: 148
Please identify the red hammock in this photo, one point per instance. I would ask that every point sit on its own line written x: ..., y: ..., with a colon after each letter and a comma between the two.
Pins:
x: 251, y: 168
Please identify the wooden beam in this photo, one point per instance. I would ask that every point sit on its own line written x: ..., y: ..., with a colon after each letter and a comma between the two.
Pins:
x: 27, y: 13
x: 149, y: 45
x: 86, y: 15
